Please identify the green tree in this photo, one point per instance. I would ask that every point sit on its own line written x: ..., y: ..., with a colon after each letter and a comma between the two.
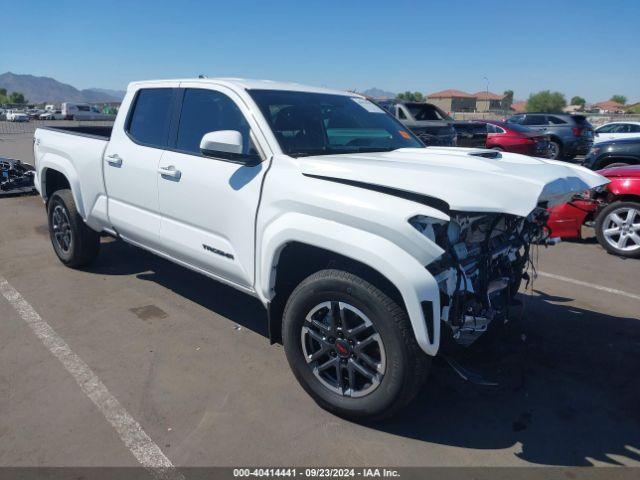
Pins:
x: 410, y: 96
x: 621, y: 99
x: 3, y: 95
x: 546, y: 101
x: 507, y: 101
x: 578, y: 101
x: 17, y: 97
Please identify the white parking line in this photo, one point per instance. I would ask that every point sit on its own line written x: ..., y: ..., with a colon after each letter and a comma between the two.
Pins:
x: 134, y: 437
x: 590, y: 285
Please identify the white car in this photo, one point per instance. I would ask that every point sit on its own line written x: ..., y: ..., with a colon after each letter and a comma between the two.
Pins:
x: 361, y: 243
x: 16, y: 116
x: 616, y: 131
x: 52, y: 115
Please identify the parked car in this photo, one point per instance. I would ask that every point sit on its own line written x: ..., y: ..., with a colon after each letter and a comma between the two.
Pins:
x: 511, y: 137
x: 34, y: 113
x: 569, y: 135
x: 16, y: 116
x: 52, y: 115
x: 613, y: 210
x: 613, y: 153
x: 616, y: 131
x: 360, y: 242
x: 430, y: 124
x: 83, y: 111
x: 470, y: 134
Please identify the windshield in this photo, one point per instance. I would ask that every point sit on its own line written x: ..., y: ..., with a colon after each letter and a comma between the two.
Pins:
x: 322, y: 124
x: 426, y: 112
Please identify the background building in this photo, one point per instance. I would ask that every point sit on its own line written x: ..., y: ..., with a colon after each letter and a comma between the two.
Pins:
x: 489, y: 102
x: 453, y: 101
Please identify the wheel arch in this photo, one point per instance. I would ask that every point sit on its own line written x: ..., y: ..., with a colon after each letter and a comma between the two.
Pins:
x: 57, y: 173
x: 289, y: 255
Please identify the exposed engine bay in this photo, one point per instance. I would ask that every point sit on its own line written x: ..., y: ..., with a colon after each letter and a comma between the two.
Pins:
x: 15, y: 177
x: 483, y: 265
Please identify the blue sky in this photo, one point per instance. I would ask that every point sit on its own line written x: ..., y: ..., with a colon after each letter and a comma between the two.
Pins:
x: 579, y: 47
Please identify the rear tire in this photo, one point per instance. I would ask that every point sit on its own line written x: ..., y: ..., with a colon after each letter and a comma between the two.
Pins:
x: 616, y: 233
x: 73, y: 241
x: 318, y: 324
x: 555, y: 150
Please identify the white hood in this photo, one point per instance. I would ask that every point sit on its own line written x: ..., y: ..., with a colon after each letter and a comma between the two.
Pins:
x: 509, y: 183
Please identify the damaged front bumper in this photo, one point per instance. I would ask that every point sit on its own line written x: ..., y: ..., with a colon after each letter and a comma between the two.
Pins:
x: 482, y: 268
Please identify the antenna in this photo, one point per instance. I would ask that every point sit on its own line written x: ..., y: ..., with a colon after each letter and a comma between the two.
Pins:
x: 202, y: 76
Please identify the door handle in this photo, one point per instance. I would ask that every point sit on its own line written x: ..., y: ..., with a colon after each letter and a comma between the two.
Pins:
x: 114, y: 160
x: 170, y: 172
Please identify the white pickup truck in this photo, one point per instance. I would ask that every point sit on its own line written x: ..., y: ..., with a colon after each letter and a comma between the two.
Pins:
x: 364, y: 246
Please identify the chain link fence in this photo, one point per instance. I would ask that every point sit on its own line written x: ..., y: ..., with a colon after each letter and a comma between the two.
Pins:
x: 17, y: 128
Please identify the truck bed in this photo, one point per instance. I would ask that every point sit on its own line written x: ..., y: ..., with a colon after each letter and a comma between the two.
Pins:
x: 102, y: 132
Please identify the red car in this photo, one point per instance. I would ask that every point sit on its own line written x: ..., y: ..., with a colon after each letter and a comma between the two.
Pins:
x: 511, y: 137
x: 614, y: 211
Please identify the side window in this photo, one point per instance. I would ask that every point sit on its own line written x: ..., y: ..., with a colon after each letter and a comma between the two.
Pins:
x: 555, y: 121
x: 633, y: 128
x: 150, y: 117
x: 401, y: 114
x: 516, y: 119
x: 205, y: 111
x: 500, y: 130
x: 622, y: 128
x: 605, y: 129
x: 534, y: 120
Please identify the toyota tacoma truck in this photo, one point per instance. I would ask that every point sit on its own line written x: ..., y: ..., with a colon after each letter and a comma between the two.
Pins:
x: 365, y: 247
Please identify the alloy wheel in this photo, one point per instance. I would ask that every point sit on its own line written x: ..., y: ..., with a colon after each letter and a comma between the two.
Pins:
x: 621, y: 229
x: 342, y: 347
x: 61, y: 228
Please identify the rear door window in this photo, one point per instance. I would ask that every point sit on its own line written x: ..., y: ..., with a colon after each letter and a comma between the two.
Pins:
x: 535, y: 120
x: 555, y: 120
x: 151, y: 116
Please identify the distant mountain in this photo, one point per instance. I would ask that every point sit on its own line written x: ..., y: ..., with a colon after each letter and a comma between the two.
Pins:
x: 46, y: 89
x: 377, y: 93
x: 118, y: 95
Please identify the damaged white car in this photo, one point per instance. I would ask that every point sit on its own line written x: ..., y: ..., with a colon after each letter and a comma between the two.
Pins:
x: 364, y: 246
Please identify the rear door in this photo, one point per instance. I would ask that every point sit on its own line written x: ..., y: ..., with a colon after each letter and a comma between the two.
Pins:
x: 131, y: 165
x: 209, y: 204
x: 536, y: 122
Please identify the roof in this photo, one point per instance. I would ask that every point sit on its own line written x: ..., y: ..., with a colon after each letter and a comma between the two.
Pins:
x: 609, y: 105
x: 520, y: 106
x: 488, y: 96
x: 450, y: 93
x: 245, y: 84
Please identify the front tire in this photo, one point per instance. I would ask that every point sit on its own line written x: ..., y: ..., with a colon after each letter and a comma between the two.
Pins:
x: 618, y: 229
x: 73, y: 241
x: 351, y: 347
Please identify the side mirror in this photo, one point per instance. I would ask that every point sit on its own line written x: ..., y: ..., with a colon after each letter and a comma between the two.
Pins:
x: 227, y: 145
x: 222, y: 141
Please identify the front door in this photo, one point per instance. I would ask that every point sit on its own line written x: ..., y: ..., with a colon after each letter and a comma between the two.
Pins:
x: 209, y: 204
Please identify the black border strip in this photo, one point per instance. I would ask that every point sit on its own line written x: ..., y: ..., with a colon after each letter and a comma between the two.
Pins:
x: 432, y: 202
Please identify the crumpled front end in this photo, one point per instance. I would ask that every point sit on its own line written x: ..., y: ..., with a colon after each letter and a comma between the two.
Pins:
x: 482, y: 267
